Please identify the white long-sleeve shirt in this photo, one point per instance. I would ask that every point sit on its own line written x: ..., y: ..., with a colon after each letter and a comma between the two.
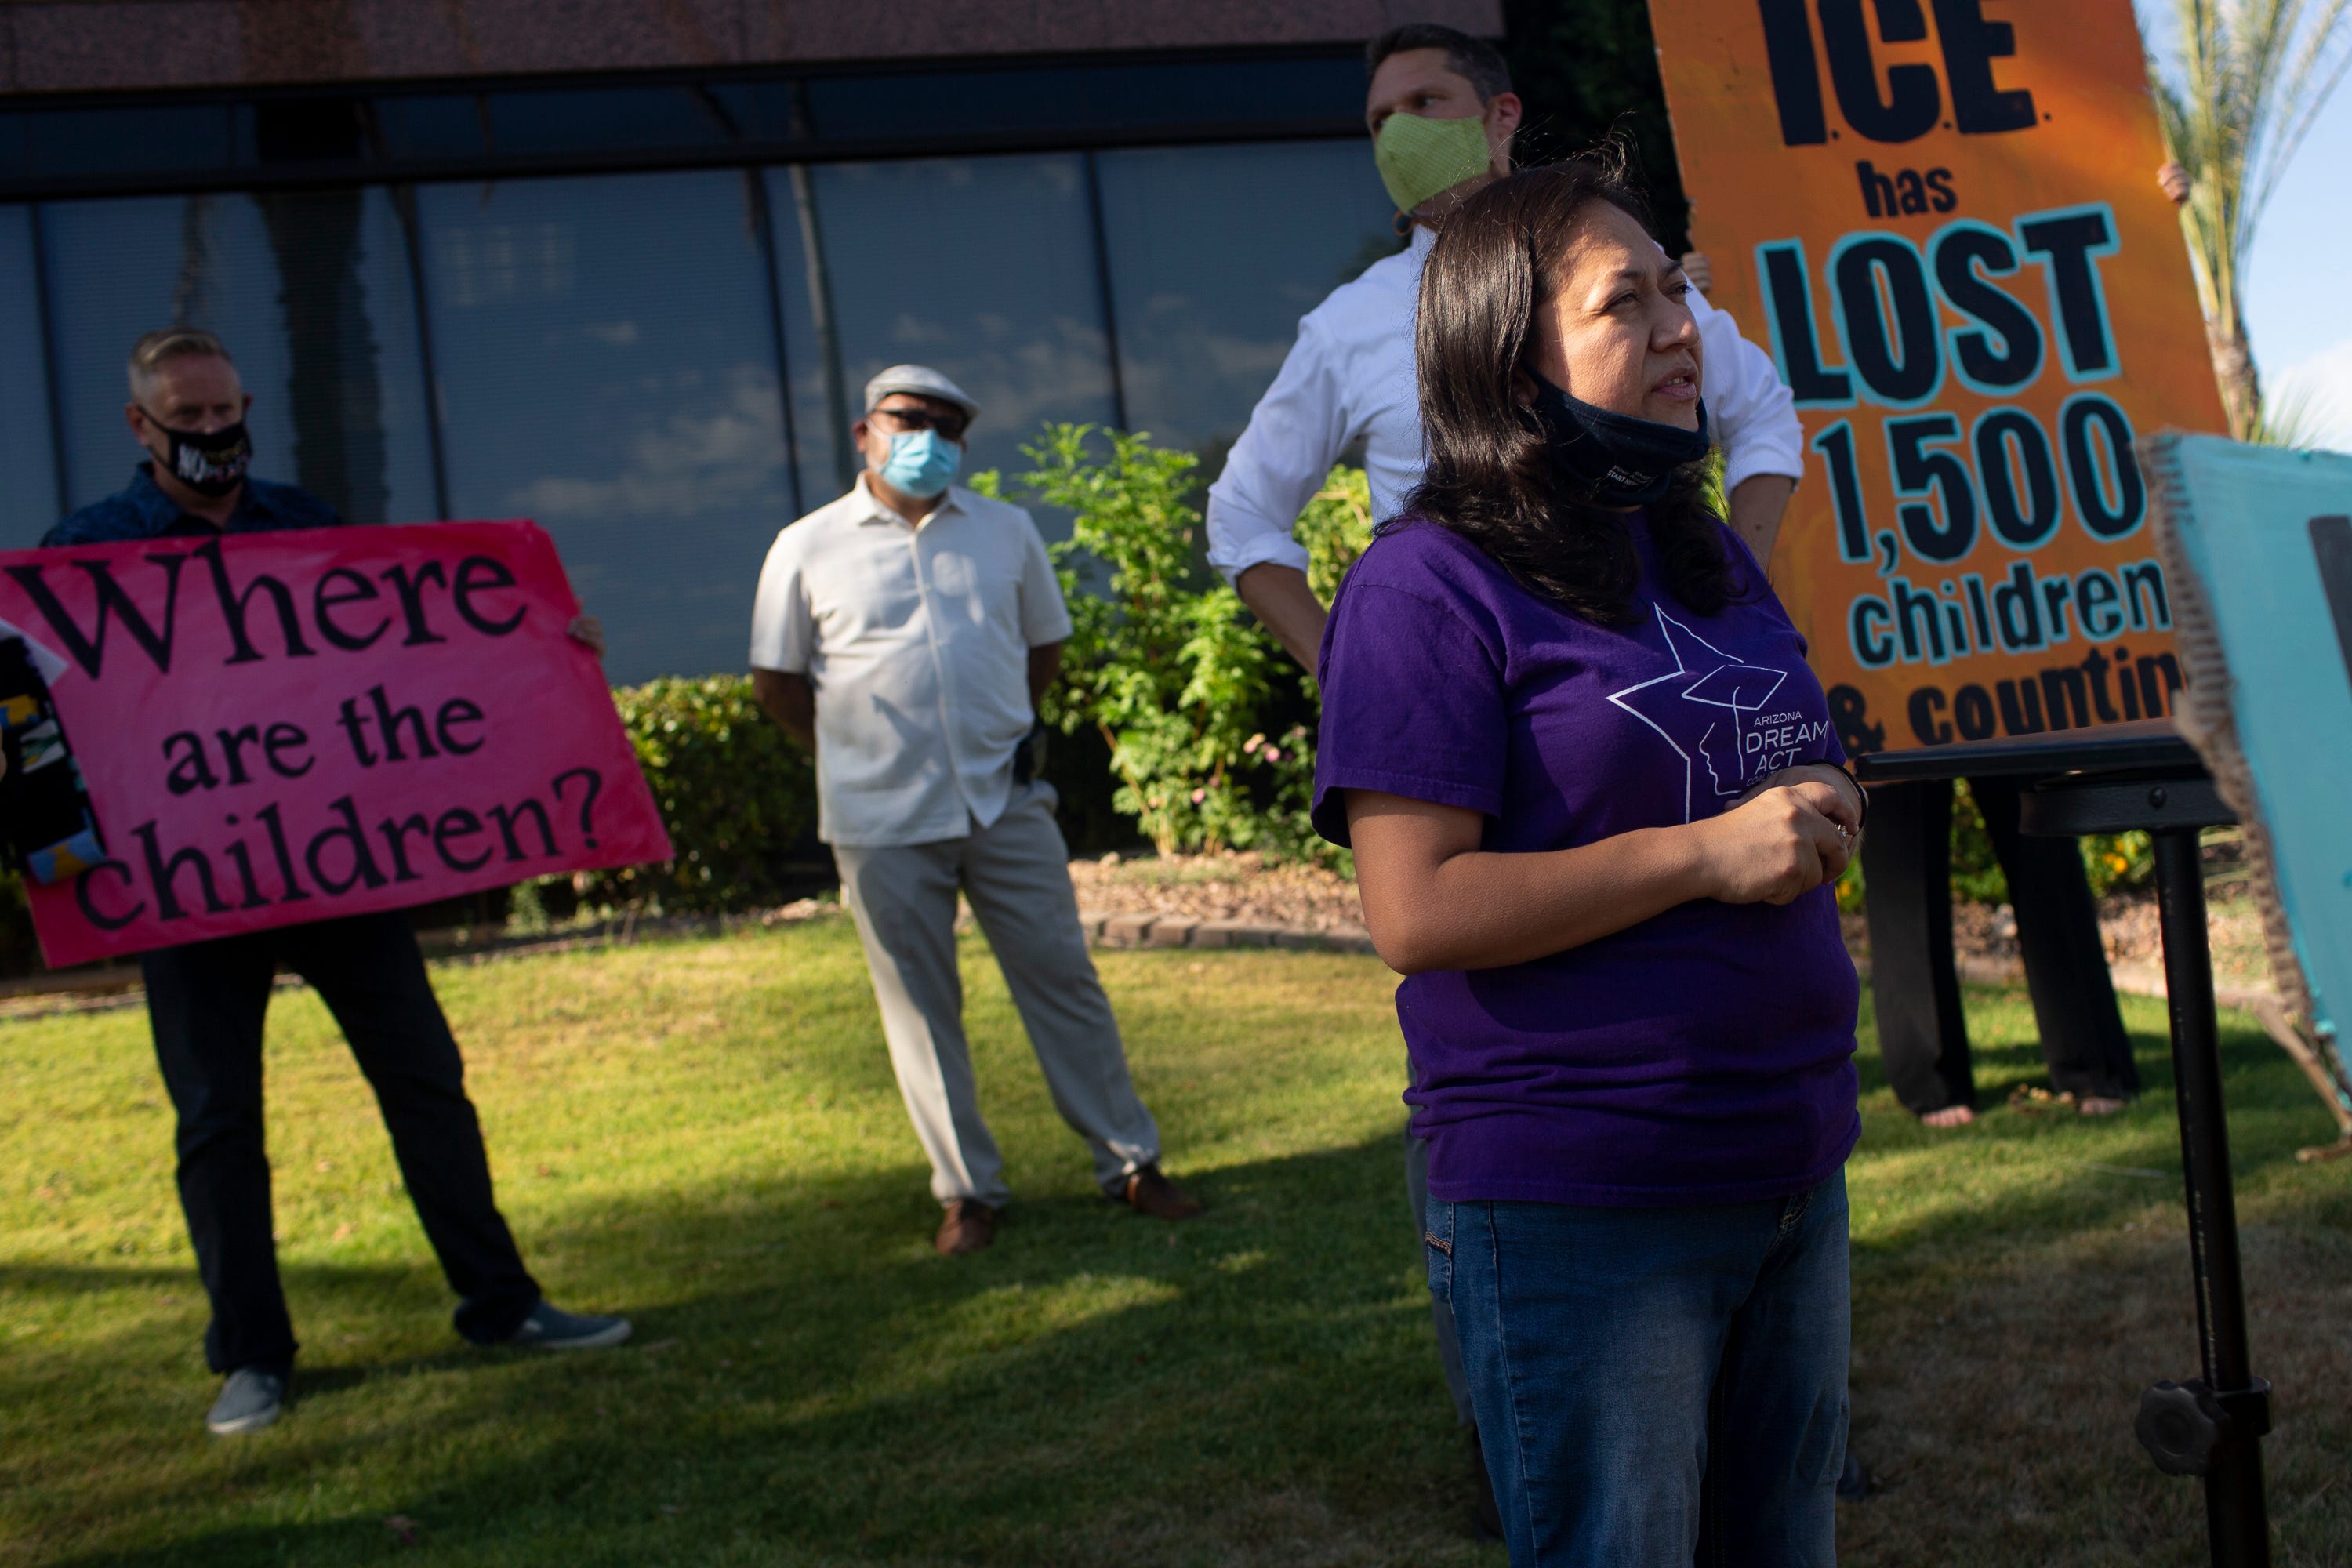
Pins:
x: 1351, y: 375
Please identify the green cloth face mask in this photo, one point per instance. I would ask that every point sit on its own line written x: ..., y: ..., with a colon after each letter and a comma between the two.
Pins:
x: 1418, y: 157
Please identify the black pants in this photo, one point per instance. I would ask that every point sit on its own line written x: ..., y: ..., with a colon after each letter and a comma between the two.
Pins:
x: 206, y: 1001
x: 1907, y: 862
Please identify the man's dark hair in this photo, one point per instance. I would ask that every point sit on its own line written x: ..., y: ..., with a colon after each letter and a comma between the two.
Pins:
x: 1489, y: 476
x: 1474, y: 59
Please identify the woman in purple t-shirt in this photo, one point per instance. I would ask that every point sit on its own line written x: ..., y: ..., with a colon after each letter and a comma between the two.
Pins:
x: 1596, y: 804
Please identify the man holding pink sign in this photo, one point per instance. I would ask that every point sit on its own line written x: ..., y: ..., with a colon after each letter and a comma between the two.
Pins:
x: 219, y: 894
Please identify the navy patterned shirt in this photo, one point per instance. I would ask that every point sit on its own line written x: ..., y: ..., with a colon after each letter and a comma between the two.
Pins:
x: 144, y: 511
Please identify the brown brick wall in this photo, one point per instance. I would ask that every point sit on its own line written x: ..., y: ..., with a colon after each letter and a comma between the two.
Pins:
x: 61, y: 46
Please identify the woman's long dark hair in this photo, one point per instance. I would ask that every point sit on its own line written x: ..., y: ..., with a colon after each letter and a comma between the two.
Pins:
x: 1490, y: 476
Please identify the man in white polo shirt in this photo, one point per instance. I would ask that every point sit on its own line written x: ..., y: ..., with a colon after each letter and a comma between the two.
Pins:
x: 905, y: 633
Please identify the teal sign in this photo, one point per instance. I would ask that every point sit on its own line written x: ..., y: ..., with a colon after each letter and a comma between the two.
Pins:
x: 2264, y: 539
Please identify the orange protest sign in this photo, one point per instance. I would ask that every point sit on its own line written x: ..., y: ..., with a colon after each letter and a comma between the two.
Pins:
x: 1943, y: 217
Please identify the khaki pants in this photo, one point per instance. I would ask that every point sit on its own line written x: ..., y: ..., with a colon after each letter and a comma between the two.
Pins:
x: 1016, y: 873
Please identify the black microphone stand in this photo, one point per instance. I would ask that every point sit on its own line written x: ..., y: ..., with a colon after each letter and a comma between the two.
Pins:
x: 2112, y: 780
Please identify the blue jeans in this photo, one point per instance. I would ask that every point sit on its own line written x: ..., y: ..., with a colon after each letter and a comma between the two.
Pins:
x: 1656, y: 1386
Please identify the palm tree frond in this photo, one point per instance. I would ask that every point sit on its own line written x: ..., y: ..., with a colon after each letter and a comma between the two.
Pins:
x: 2295, y: 417
x: 2244, y: 83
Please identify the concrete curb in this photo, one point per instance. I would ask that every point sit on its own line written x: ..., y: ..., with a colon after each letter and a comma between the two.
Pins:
x: 1146, y: 928
x: 2131, y: 979
x: 102, y: 989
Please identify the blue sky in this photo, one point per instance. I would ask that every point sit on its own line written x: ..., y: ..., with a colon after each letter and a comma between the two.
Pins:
x: 2299, y: 280
x: 2299, y: 283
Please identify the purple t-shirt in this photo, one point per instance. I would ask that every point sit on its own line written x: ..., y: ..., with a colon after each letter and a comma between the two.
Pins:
x: 1704, y: 1056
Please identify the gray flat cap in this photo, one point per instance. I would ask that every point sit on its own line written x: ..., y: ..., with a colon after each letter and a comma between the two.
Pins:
x: 923, y: 381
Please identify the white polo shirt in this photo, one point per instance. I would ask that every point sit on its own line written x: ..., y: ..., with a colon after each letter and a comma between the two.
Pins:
x: 1351, y: 374
x: 916, y: 641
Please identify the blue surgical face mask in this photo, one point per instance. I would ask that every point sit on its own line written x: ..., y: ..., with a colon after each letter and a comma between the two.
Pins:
x: 921, y: 462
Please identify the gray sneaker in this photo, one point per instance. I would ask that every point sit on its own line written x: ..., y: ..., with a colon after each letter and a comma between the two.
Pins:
x: 550, y: 1328
x: 248, y: 1401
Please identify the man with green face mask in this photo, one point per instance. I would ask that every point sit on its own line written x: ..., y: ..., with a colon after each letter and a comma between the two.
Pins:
x: 1441, y: 114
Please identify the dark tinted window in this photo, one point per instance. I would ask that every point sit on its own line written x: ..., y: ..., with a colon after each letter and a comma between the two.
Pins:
x: 434, y: 125
x: 606, y: 367
x: 761, y: 111
x: 983, y: 269
x: 1074, y: 105
x: 308, y: 130
x: 820, y: 402
x: 1094, y: 96
x: 15, y: 151
x: 1215, y: 252
x: 137, y: 138
x: 311, y: 293
x: 623, y: 118
x: 29, y: 502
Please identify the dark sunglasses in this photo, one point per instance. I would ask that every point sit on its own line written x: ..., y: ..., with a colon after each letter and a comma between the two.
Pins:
x: 951, y: 426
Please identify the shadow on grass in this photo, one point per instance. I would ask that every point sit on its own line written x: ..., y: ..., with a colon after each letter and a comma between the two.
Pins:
x: 2093, y: 1172
x: 809, y: 1384
x: 812, y: 1383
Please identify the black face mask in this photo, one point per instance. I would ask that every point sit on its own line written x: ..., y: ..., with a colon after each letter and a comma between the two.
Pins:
x: 209, y: 462
x: 1615, y: 459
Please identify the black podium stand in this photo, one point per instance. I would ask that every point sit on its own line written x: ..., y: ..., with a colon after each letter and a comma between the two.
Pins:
x: 2146, y: 777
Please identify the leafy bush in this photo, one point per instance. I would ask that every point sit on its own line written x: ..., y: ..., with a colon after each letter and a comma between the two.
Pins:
x: 1210, y: 726
x: 2115, y: 862
x: 1976, y: 871
x: 735, y: 795
x: 2120, y: 862
x: 1335, y: 528
x: 1850, y: 888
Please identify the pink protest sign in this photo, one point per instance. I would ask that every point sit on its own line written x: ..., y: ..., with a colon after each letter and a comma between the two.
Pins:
x: 286, y: 727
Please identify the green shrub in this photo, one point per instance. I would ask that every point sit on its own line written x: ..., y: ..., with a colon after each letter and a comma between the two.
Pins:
x: 2120, y: 862
x: 2115, y: 862
x: 1850, y: 899
x: 1976, y: 871
x: 1335, y: 528
x: 735, y: 795
x: 1210, y: 726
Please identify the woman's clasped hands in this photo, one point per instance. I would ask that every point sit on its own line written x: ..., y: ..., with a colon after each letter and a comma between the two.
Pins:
x: 1793, y: 831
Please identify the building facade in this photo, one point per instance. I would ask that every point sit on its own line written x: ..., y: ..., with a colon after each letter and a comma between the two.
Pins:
x: 621, y: 266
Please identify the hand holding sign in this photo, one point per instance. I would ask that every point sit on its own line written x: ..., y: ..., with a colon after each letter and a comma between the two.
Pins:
x: 287, y: 727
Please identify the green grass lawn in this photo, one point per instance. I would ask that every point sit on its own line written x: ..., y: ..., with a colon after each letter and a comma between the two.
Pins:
x: 705, y: 1135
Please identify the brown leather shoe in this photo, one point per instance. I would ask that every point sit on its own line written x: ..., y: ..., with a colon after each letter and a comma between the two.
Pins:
x: 1149, y: 1192
x: 968, y: 1226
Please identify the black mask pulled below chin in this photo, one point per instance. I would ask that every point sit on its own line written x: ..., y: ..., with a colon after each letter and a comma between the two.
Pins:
x: 1615, y: 460
x: 209, y: 462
